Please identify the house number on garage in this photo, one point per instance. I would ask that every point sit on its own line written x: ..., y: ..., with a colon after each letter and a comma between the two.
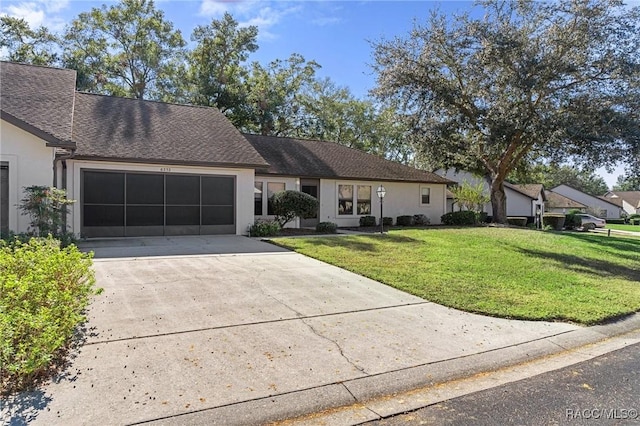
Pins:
x: 165, y: 169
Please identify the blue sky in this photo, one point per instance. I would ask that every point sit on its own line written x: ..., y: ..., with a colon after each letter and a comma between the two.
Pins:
x: 335, y: 34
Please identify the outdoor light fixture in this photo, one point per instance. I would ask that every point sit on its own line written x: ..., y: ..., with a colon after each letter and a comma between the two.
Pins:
x: 381, y: 193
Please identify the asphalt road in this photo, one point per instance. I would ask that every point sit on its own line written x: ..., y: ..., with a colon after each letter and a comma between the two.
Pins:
x: 601, y: 391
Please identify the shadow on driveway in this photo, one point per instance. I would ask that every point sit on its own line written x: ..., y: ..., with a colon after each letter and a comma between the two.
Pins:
x: 114, y: 248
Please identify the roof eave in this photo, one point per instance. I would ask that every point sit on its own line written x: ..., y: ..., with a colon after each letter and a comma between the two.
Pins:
x: 52, y: 141
x: 171, y: 162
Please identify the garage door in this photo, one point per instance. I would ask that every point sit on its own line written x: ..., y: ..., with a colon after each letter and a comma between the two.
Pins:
x: 146, y: 204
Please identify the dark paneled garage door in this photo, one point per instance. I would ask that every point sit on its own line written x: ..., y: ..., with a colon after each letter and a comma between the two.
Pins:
x: 145, y: 204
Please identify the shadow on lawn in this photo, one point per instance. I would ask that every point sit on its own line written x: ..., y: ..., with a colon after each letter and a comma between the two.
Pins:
x: 366, y: 243
x: 616, y: 242
x: 597, y: 267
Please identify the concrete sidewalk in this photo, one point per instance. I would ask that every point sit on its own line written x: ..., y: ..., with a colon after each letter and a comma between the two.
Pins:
x: 264, y: 336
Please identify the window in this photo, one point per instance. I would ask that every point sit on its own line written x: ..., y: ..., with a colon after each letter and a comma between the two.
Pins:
x: 364, y: 199
x: 345, y: 199
x: 257, y: 198
x: 425, y: 195
x: 272, y: 188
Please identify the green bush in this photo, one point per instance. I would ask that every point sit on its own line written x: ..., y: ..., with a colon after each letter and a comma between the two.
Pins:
x: 572, y: 221
x: 421, y: 220
x: 634, y: 216
x: 44, y: 290
x: 404, y: 220
x: 464, y: 217
x: 481, y: 217
x: 616, y: 221
x: 554, y: 221
x: 368, y: 221
x: 327, y: 228
x: 634, y: 221
x: 517, y: 221
x: 387, y: 221
x: 287, y: 205
x: 264, y: 228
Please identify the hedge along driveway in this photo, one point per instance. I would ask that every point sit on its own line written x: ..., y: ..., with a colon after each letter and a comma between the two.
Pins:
x: 504, y: 272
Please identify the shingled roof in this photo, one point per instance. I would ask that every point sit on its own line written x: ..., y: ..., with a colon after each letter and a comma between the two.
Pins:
x: 39, y: 100
x: 559, y: 201
x: 531, y: 190
x: 631, y: 197
x: 330, y: 160
x: 122, y: 129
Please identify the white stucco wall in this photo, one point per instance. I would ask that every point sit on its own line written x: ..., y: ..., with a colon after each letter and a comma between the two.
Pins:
x: 401, y: 198
x: 30, y: 163
x: 612, y: 211
x: 244, y: 185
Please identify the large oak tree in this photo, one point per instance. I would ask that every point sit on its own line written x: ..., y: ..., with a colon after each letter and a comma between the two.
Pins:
x: 525, y: 81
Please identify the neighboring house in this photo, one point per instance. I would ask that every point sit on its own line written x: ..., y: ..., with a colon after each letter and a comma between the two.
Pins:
x: 140, y: 167
x: 601, y: 207
x: 557, y: 203
x: 629, y: 201
x: 522, y: 200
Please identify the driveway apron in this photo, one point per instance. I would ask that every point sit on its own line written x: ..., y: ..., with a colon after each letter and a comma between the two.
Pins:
x: 223, y: 330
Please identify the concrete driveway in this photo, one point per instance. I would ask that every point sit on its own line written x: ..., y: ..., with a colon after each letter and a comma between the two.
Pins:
x: 255, y: 333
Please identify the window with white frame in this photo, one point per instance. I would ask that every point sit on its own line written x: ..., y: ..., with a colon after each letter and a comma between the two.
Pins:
x: 345, y: 199
x: 364, y: 199
x: 272, y: 188
x: 354, y: 195
x: 425, y: 195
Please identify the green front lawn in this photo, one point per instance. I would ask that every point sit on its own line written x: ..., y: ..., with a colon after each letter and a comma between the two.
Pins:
x: 632, y: 228
x: 505, y: 272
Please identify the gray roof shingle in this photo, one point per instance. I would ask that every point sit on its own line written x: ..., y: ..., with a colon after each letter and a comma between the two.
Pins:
x: 123, y: 129
x: 38, y: 100
x: 321, y: 159
x: 531, y: 190
x: 559, y: 201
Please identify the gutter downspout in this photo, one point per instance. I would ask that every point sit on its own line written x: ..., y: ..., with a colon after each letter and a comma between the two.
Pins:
x: 63, y: 159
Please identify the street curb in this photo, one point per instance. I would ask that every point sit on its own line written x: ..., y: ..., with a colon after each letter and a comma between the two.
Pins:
x: 373, y: 397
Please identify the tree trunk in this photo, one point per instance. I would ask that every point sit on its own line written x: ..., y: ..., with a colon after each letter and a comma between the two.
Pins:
x: 498, y: 200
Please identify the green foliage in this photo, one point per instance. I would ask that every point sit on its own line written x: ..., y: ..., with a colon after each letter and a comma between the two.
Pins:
x: 616, y: 221
x: 572, y: 221
x: 459, y: 218
x: 326, y: 228
x: 469, y: 196
x: 517, y: 221
x: 634, y: 221
x: 627, y: 182
x: 43, y: 292
x: 554, y: 221
x: 264, y: 228
x: 127, y: 49
x: 216, y: 70
x: 47, y: 208
x: 387, y: 221
x: 405, y: 220
x: 287, y: 205
x: 421, y: 220
x: 367, y: 221
x: 523, y: 82
x: 26, y: 45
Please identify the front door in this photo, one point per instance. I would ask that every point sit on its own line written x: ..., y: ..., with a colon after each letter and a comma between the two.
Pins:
x: 311, y: 187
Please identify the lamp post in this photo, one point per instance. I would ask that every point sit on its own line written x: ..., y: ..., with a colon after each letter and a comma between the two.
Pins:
x: 381, y: 193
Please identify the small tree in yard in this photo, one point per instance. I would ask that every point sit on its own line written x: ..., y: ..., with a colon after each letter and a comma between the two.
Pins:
x: 287, y: 205
x: 470, y: 197
x: 47, y: 208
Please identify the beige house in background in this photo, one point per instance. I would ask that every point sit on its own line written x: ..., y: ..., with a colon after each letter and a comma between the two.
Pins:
x: 138, y: 168
x: 629, y: 201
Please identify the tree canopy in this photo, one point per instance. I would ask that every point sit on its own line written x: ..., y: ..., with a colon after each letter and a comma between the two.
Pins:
x: 552, y: 175
x: 527, y: 81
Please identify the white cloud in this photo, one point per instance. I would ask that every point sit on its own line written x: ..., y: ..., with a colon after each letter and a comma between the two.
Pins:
x: 263, y: 14
x: 38, y: 12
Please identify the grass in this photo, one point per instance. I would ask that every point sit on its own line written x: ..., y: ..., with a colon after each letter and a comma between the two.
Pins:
x: 504, y: 272
x: 632, y: 228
